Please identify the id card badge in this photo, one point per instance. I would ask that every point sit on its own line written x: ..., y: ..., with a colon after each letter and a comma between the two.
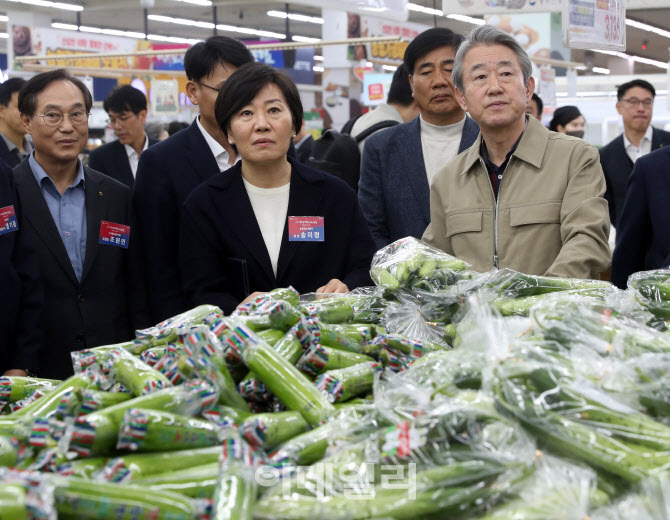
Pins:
x: 112, y: 234
x: 8, y: 222
x: 305, y: 229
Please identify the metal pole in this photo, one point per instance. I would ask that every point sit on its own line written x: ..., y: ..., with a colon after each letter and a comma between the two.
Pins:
x: 146, y: 23
x: 78, y: 19
x: 214, y: 20
x: 435, y: 14
x: 288, y: 28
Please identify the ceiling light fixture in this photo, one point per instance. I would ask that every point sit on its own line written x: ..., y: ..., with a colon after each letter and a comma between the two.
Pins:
x: 648, y: 28
x: 601, y: 70
x: 4, y: 18
x: 316, y: 68
x: 53, y: 5
x: 180, y: 21
x: 390, y: 68
x: 296, y: 17
x: 305, y: 39
x: 466, y: 19
x: 205, y: 3
x: 425, y: 10
x: 639, y: 59
x: 318, y: 58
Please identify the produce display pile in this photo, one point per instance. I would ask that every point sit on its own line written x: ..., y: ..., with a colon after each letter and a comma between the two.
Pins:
x: 439, y: 393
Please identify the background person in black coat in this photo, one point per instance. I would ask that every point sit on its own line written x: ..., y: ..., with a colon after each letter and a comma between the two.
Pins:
x: 642, y: 239
x: 14, y: 145
x: 241, y: 230
x: 169, y: 171
x: 21, y: 302
x: 635, y: 103
x: 127, y: 110
x: 79, y: 222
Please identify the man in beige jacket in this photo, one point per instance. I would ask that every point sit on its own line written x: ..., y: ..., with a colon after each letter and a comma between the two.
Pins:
x: 521, y: 197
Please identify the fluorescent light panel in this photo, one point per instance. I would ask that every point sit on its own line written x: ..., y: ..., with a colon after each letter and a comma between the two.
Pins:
x: 220, y: 27
x: 316, y: 68
x: 425, y: 10
x: 205, y: 3
x: 318, y: 58
x: 4, y: 18
x: 601, y: 70
x: 639, y: 59
x: 648, y: 28
x: 53, y: 5
x: 296, y: 17
x: 466, y: 19
x: 97, y: 30
x: 390, y: 68
x: 305, y: 39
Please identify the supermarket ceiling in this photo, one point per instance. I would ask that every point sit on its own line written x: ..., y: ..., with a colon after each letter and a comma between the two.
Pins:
x: 128, y: 15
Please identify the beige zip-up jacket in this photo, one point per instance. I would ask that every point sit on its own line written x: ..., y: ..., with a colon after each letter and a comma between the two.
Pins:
x: 550, y: 218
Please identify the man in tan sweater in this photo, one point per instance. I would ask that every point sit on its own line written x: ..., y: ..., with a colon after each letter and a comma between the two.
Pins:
x: 521, y: 197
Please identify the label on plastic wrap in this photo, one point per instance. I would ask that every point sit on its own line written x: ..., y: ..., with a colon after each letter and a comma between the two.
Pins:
x: 306, y: 229
x: 112, y: 234
x: 401, y: 440
x: 8, y: 222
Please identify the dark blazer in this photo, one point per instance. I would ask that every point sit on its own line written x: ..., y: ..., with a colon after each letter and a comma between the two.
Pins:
x: 305, y: 150
x: 106, y: 306
x: 617, y: 167
x: 6, y: 156
x: 167, y: 173
x: 112, y: 160
x: 222, y: 245
x: 21, y: 302
x: 642, y: 238
x: 393, y: 190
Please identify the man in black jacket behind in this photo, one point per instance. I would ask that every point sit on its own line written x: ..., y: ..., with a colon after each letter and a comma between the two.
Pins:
x: 21, y: 302
x: 127, y: 110
x: 80, y: 223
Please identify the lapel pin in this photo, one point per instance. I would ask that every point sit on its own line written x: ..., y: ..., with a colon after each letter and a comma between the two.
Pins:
x: 100, y: 193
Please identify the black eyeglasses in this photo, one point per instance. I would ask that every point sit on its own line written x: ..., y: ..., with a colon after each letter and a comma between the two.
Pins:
x: 210, y: 87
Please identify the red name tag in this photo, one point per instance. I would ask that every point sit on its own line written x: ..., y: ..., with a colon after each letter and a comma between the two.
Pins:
x: 305, y: 229
x: 8, y: 222
x: 112, y: 234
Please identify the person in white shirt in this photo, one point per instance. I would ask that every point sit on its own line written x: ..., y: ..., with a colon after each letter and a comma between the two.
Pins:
x: 269, y: 221
x: 126, y: 107
x: 635, y: 103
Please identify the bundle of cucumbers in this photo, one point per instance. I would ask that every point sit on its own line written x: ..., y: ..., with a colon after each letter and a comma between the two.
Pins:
x: 531, y: 398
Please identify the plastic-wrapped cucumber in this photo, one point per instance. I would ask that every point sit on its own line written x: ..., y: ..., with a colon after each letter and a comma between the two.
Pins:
x: 145, y: 430
x: 252, y: 388
x: 345, y: 383
x: 335, y: 310
x: 268, y: 430
x: 15, y: 388
x: 93, y: 400
x: 222, y: 380
x: 97, y: 432
x: 79, y: 498
x: 226, y: 415
x: 518, y: 285
x: 135, y: 375
x: 9, y: 451
x: 141, y: 465
x: 403, y: 344
x: 196, y: 482
x: 13, y: 502
x: 83, y: 468
x: 282, y: 314
x: 283, y: 379
x: 235, y: 492
x: 165, y: 330
x: 271, y: 336
x: 318, y: 359
x: 48, y: 404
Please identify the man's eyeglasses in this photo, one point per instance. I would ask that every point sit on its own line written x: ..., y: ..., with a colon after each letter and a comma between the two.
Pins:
x: 216, y: 89
x: 646, y: 103
x: 77, y: 117
x: 120, y: 120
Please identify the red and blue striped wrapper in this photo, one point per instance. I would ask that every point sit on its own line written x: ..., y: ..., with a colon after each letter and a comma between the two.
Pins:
x: 235, y: 448
x: 313, y: 361
x: 68, y: 404
x: 82, y: 359
x: 254, y: 390
x: 83, y: 436
x: 133, y: 430
x: 5, y: 391
x: 34, y: 396
x: 39, y: 432
x: 253, y: 431
x: 150, y: 357
x: 204, y: 392
x: 169, y: 367
x: 115, y: 471
x: 89, y: 404
x: 331, y: 386
x: 307, y: 331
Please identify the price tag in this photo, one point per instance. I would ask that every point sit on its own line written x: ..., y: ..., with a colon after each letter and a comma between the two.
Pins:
x: 112, y: 234
x: 595, y: 24
x: 8, y: 222
x: 306, y: 229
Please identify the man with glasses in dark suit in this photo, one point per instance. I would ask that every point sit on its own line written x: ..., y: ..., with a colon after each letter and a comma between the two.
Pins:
x: 79, y: 222
x: 635, y: 104
x: 127, y: 110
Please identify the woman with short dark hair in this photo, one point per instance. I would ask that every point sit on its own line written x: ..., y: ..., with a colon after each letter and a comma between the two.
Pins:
x: 269, y: 221
x: 568, y: 120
